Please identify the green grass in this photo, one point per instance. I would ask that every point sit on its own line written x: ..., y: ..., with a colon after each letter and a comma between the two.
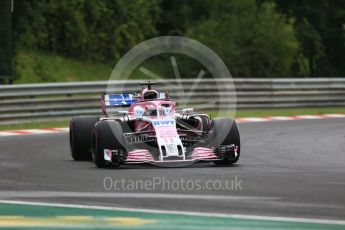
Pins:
x: 241, y: 113
x: 37, y: 67
x: 41, y: 67
x: 37, y: 125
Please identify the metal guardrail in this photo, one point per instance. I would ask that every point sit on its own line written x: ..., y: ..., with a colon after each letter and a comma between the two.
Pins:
x: 33, y: 102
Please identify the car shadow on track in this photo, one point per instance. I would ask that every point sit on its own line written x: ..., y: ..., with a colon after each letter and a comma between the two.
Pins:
x: 90, y: 165
x: 150, y: 166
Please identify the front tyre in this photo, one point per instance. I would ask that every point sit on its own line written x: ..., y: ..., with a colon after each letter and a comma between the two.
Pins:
x: 80, y: 130
x: 227, y: 137
x: 107, y: 135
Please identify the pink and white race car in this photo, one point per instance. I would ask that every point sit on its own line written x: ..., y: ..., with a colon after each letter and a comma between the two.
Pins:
x: 152, y: 131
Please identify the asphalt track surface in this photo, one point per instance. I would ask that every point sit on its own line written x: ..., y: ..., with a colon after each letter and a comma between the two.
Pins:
x: 287, y: 168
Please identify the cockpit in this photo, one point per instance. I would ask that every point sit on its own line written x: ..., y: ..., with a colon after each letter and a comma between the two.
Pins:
x: 150, y: 95
x: 151, y: 111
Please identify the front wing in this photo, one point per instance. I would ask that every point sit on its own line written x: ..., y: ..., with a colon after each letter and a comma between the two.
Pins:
x: 138, y: 156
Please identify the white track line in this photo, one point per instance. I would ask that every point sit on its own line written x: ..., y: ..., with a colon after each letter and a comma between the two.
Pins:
x: 32, y: 131
x: 252, y: 119
x: 37, y: 131
x: 52, y: 194
x: 187, y: 213
x: 5, y: 134
x: 307, y: 117
x: 281, y: 118
x: 334, y: 115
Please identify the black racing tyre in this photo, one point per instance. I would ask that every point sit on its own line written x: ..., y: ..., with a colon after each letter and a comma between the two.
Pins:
x: 80, y: 131
x: 107, y: 134
x: 229, y: 136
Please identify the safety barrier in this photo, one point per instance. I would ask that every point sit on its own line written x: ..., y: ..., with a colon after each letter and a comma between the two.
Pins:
x: 50, y: 101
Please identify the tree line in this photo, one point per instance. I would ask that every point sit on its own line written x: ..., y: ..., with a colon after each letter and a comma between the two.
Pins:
x: 255, y: 38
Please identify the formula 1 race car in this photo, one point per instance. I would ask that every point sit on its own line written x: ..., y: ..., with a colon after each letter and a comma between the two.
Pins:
x: 152, y: 131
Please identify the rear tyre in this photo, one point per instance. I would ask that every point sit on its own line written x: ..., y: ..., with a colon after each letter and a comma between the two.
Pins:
x: 107, y: 135
x: 232, y: 136
x: 80, y: 130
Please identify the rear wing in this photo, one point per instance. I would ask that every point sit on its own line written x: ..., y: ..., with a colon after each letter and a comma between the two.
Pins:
x: 116, y: 100
x: 123, y: 100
